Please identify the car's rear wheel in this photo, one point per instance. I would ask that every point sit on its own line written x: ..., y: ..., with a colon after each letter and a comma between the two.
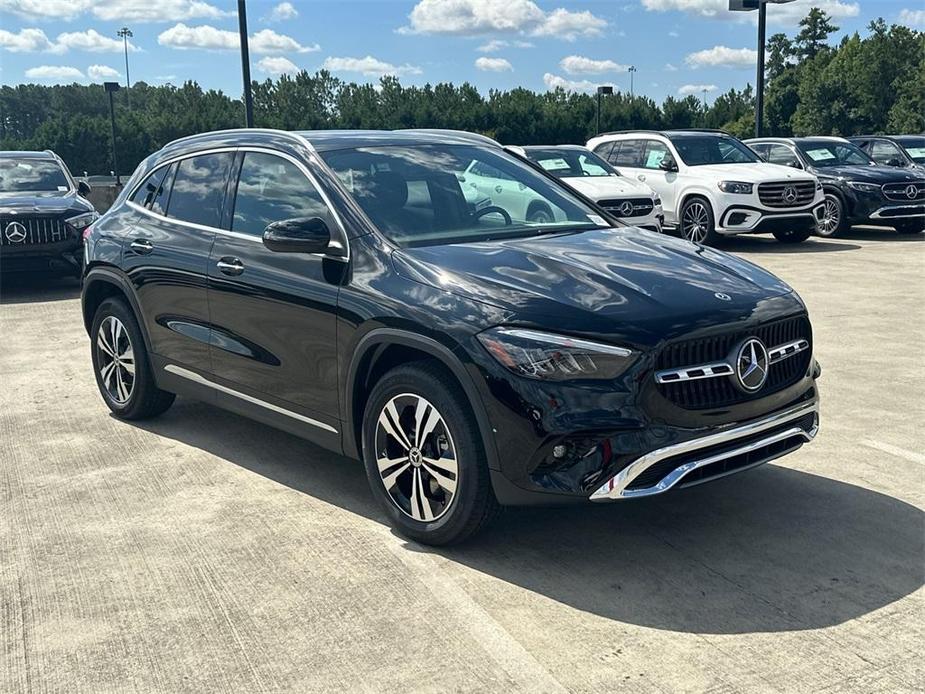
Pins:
x: 914, y: 227
x: 539, y: 214
x: 424, y: 456
x: 120, y: 364
x: 793, y: 235
x: 833, y: 219
x: 696, y: 222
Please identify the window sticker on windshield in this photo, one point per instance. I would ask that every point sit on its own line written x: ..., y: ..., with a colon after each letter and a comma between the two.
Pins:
x: 820, y: 154
x: 916, y: 152
x: 553, y: 164
x: 597, y: 220
x: 62, y: 189
x: 655, y: 158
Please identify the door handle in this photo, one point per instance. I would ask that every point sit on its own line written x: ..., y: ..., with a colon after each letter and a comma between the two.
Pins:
x: 141, y: 246
x: 498, y: 189
x: 230, y: 266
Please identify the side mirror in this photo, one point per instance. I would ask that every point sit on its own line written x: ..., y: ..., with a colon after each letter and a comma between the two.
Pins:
x: 83, y: 187
x: 302, y: 235
x: 795, y: 164
x: 668, y: 164
x: 895, y: 162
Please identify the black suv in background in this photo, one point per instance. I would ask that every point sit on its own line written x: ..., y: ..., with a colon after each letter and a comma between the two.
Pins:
x: 42, y: 213
x: 340, y: 285
x: 904, y: 151
x: 857, y: 189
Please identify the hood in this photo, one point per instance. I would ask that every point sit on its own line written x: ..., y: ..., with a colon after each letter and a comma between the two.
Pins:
x: 625, y: 283
x: 869, y: 174
x: 604, y: 187
x: 50, y: 202
x: 751, y: 173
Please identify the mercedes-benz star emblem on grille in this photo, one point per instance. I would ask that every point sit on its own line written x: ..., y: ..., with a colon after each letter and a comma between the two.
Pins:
x: 15, y: 232
x: 722, y: 297
x: 626, y: 208
x: 751, y: 367
x: 790, y: 194
x: 911, y: 191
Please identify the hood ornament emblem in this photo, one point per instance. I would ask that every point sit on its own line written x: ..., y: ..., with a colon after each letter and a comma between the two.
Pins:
x: 751, y: 365
x: 912, y: 191
x: 790, y: 194
x: 15, y: 232
x: 722, y: 297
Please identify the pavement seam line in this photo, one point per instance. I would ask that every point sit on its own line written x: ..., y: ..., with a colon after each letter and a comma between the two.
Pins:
x: 911, y: 456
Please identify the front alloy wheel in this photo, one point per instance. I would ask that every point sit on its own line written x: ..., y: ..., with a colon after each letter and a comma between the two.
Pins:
x: 416, y: 458
x: 115, y: 360
x: 697, y: 222
x: 831, y: 221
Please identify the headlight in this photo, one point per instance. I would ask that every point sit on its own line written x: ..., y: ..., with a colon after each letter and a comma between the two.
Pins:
x: 550, y: 357
x: 82, y: 221
x: 736, y: 187
x: 657, y: 201
x: 818, y: 184
x: 864, y: 187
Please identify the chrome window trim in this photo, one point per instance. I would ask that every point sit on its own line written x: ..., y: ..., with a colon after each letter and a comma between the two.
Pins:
x: 342, y: 244
x: 616, y: 487
x: 203, y: 381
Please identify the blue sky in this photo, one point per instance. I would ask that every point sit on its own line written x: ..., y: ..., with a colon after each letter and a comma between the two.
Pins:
x: 676, y: 46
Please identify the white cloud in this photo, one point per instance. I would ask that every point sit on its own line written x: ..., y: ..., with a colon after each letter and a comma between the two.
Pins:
x: 496, y: 45
x: 914, y: 18
x: 723, y: 56
x: 788, y: 14
x: 209, y: 38
x: 670, y: 68
x: 579, y: 65
x: 92, y: 41
x: 25, y: 41
x: 696, y: 89
x: 369, y: 66
x: 476, y: 17
x: 673, y: 34
x: 55, y: 73
x: 282, y: 12
x: 46, y: 9
x: 492, y: 64
x: 277, y: 65
x: 161, y: 11
x: 555, y: 82
x: 101, y: 73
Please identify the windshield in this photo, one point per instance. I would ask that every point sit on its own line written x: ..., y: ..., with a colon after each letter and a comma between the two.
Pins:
x: 32, y: 175
x: 822, y: 154
x: 568, y: 163
x: 915, y: 148
x: 436, y: 194
x: 698, y: 150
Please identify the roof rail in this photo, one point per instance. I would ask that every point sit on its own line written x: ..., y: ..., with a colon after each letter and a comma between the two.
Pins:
x: 457, y: 133
x: 665, y: 131
x: 208, y: 133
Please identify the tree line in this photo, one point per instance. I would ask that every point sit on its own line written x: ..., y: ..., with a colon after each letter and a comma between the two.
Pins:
x: 874, y: 83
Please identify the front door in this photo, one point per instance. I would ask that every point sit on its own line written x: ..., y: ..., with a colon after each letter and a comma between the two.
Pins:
x: 273, y: 314
x: 664, y: 183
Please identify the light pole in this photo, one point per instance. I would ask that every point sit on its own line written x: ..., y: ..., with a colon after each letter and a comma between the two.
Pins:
x: 600, y: 92
x: 111, y: 88
x: 762, y: 7
x: 632, y: 71
x: 125, y: 33
x: 245, y: 66
x: 705, y: 107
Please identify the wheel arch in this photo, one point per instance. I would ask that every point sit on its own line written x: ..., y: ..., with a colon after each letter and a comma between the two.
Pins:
x: 382, y: 349
x: 103, y: 282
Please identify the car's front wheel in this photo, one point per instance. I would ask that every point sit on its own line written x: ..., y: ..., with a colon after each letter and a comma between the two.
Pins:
x: 833, y: 219
x: 697, y: 223
x: 424, y: 456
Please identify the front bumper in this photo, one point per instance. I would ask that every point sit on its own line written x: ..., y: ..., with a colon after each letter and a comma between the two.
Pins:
x: 743, y: 219
x: 716, y: 455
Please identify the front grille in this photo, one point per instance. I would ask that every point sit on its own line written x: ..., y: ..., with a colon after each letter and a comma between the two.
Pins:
x: 721, y: 392
x: 641, y: 207
x: 35, y: 231
x: 781, y: 193
x: 900, y: 191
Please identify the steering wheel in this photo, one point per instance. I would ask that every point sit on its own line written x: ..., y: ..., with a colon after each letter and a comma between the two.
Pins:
x: 478, y: 214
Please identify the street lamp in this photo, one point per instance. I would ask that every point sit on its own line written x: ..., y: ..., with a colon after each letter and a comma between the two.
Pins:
x: 245, y: 66
x: 112, y: 88
x: 600, y: 92
x: 632, y: 70
x: 762, y: 7
x: 125, y: 34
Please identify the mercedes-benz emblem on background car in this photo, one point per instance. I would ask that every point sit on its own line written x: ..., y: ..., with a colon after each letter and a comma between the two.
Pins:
x: 912, y: 191
x: 790, y: 194
x: 722, y: 297
x: 15, y: 232
x: 751, y: 367
x: 626, y: 208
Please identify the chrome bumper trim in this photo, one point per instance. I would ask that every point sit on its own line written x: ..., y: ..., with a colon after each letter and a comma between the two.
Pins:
x: 616, y: 487
x: 910, y: 210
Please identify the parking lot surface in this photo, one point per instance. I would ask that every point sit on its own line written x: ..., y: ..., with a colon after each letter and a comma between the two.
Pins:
x: 204, y: 552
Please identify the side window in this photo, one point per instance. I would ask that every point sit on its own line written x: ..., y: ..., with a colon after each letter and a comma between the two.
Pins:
x: 271, y: 189
x: 480, y: 168
x: 603, y: 150
x: 780, y: 154
x: 761, y: 151
x: 655, y: 152
x: 199, y: 189
x: 154, y: 191
x: 627, y: 153
x: 590, y: 167
x: 882, y: 151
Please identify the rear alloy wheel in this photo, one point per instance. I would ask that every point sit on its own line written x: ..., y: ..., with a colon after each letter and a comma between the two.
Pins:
x: 832, y: 221
x: 697, y: 224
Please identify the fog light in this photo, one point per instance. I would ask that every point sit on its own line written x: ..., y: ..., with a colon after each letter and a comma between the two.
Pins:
x: 559, y: 451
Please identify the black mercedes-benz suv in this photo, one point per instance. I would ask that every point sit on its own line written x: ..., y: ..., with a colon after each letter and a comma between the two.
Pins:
x: 857, y: 189
x: 42, y: 214
x: 340, y: 285
x: 903, y: 151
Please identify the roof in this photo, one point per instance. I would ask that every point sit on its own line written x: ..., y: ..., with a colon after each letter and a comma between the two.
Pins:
x: 325, y: 140
x: 796, y: 140
x: 12, y: 154
x: 540, y: 148
x: 684, y: 132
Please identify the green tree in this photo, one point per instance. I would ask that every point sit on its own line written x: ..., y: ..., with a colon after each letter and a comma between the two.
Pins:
x: 815, y: 31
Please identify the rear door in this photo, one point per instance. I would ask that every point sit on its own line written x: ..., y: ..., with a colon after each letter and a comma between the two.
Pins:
x: 273, y: 314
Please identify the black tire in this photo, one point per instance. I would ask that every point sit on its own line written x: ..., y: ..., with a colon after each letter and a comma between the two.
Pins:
x: 472, y: 505
x: 539, y: 213
x: 793, y: 235
x: 696, y: 222
x: 144, y: 398
x: 834, y: 221
x: 913, y: 227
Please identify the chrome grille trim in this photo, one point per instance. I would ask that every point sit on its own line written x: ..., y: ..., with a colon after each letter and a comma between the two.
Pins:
x: 781, y: 352
x: 725, y: 368
x: 39, y: 230
x: 897, y: 191
x: 772, y: 194
x: 641, y: 206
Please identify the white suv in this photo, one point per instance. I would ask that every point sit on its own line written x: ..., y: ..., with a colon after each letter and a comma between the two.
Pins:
x: 711, y: 185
